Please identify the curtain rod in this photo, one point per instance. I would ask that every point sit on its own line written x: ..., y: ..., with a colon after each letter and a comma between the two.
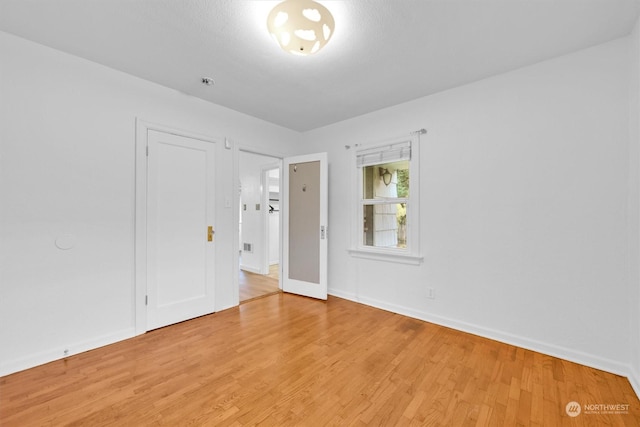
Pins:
x: 415, y: 132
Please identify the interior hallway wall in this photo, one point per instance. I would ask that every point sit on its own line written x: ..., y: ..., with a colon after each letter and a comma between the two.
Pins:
x: 67, y: 171
x: 523, y: 208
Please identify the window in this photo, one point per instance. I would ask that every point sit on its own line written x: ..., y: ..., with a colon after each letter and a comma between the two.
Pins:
x: 387, y: 209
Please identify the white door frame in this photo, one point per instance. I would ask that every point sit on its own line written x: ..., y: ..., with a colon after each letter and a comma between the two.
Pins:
x: 140, y: 250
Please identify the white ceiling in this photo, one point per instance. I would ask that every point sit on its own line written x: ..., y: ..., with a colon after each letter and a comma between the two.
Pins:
x: 383, y: 52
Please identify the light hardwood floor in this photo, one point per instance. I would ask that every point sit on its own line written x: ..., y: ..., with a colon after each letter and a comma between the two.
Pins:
x: 289, y: 360
x: 257, y: 285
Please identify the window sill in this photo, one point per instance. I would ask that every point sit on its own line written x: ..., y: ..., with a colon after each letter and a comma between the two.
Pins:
x: 386, y: 256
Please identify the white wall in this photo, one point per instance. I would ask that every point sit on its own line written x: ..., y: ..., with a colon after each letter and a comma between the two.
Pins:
x: 67, y: 157
x: 634, y: 206
x: 523, y: 208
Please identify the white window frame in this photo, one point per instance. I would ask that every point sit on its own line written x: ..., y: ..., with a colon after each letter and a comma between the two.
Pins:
x: 411, y: 253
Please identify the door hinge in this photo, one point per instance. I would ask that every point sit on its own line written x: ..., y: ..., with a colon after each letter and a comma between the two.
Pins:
x: 146, y: 300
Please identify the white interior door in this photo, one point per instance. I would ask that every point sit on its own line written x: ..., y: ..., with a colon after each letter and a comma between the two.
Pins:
x: 180, y: 210
x: 304, y: 225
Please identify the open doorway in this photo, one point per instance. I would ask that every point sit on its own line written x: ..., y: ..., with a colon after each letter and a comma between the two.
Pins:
x: 259, y: 225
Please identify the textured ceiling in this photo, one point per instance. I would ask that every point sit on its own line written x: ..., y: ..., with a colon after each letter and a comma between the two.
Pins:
x: 383, y: 52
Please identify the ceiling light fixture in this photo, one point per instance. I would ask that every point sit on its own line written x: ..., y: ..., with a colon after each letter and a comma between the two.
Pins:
x: 301, y: 27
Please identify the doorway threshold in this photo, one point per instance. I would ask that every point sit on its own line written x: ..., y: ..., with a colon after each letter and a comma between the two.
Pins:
x: 279, y: 291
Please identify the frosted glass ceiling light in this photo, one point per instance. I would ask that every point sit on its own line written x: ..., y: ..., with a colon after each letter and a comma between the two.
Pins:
x: 301, y: 27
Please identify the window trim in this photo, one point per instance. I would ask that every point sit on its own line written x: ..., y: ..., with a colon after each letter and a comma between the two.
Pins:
x: 386, y: 255
x: 411, y: 254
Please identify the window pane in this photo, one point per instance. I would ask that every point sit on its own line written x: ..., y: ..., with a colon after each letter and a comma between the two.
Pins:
x: 386, y: 180
x: 385, y: 225
x: 403, y: 182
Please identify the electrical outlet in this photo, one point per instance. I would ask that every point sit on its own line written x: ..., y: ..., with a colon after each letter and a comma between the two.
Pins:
x: 431, y: 293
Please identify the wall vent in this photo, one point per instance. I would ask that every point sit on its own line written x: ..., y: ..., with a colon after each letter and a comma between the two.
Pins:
x: 247, y: 247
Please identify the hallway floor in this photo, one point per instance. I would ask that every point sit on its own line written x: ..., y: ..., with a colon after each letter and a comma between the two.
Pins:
x: 254, y: 285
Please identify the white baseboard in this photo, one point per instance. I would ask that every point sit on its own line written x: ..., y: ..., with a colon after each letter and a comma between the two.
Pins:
x: 634, y: 379
x: 250, y: 269
x: 344, y: 295
x: 571, y: 355
x: 43, y: 357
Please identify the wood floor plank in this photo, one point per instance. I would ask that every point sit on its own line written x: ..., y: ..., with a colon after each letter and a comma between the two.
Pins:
x: 289, y: 360
x: 252, y: 285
